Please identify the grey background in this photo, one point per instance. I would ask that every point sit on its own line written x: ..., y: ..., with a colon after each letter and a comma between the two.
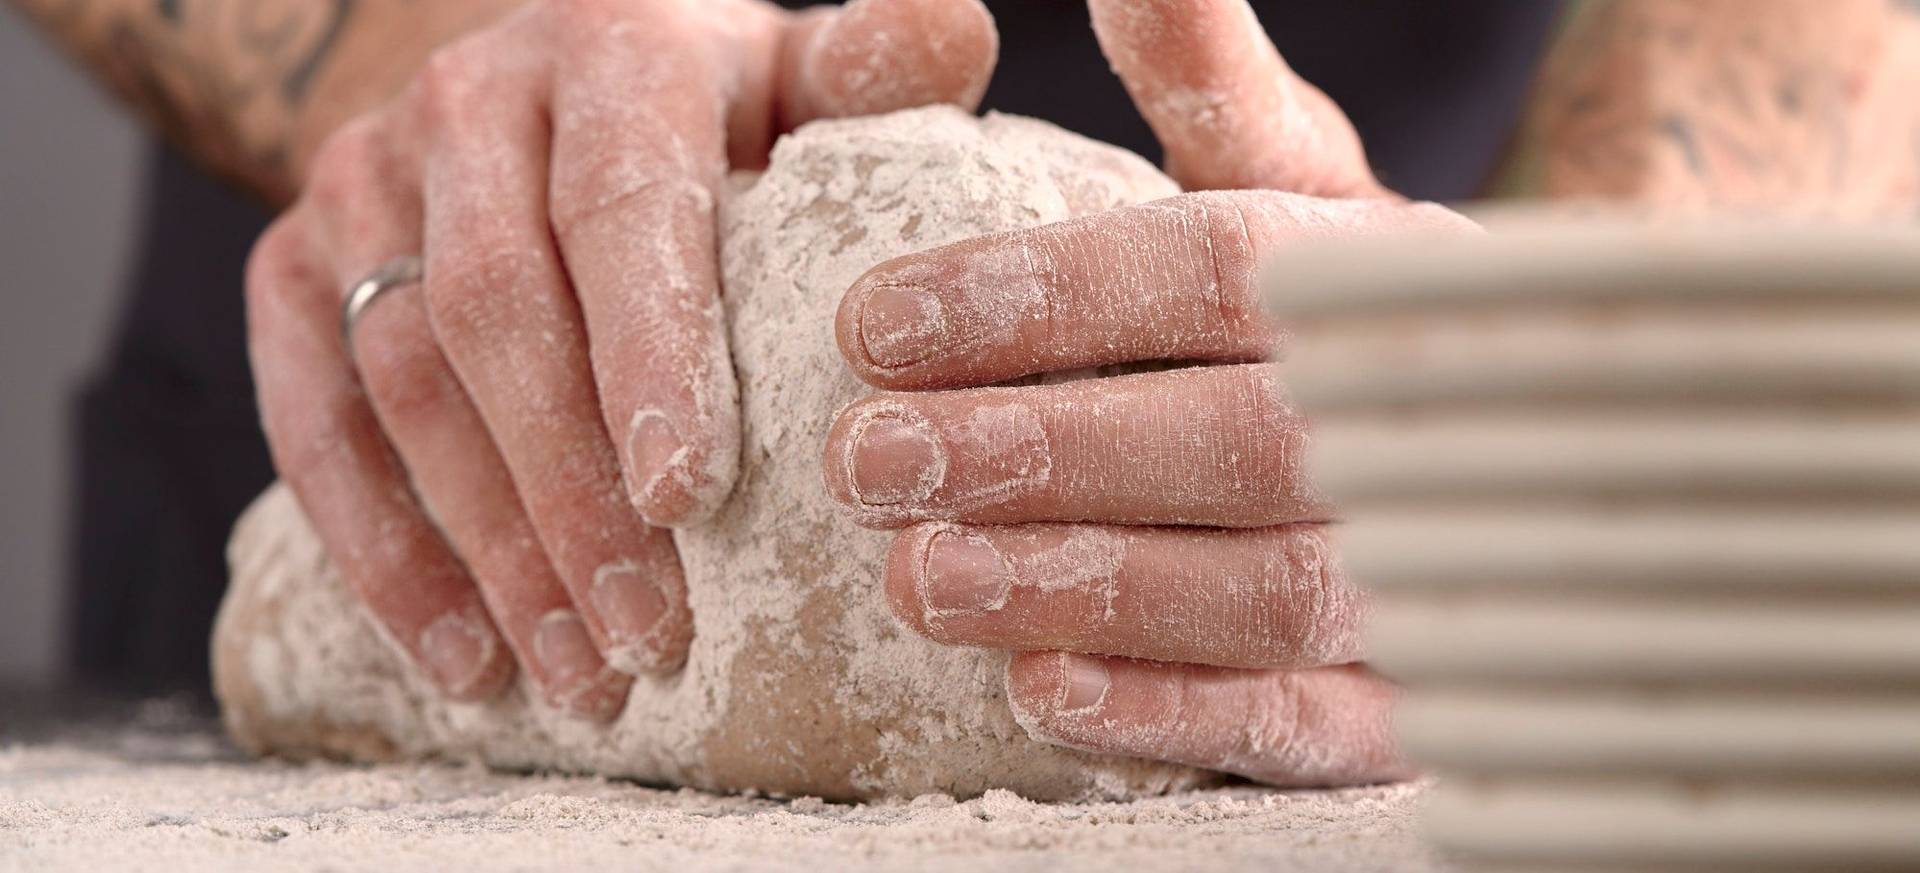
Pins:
x: 69, y: 177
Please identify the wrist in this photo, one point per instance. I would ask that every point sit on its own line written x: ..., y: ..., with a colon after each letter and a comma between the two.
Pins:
x: 371, y: 61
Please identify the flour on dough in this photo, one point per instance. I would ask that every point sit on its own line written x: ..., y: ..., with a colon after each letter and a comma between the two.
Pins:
x: 799, y: 681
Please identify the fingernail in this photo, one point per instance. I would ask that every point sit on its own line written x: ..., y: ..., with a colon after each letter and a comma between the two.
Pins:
x: 901, y: 324
x: 572, y: 667
x: 1087, y: 683
x: 456, y: 648
x: 896, y: 460
x: 654, y: 450
x: 964, y: 574
x: 632, y: 605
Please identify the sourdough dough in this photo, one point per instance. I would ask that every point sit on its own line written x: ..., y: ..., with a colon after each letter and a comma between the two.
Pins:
x: 799, y: 680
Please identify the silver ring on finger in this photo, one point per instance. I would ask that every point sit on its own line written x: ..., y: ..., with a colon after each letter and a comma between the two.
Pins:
x: 397, y: 273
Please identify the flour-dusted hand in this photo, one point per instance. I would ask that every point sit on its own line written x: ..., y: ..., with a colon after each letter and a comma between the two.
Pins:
x: 491, y: 455
x: 1148, y: 543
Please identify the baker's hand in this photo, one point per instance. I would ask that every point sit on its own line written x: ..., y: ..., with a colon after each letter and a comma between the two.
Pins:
x: 1147, y: 541
x: 490, y: 456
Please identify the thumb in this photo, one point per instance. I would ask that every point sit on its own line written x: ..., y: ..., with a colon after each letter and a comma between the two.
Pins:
x: 1227, y: 108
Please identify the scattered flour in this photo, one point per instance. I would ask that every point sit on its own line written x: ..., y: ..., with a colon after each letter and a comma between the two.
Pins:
x: 184, y: 803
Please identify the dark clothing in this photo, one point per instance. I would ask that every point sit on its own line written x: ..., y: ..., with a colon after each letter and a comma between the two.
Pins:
x: 1433, y: 88
x: 170, y: 446
x: 169, y: 441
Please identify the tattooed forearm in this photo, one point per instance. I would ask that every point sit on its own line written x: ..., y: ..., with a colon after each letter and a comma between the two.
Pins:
x: 227, y: 79
x: 250, y: 86
x: 1707, y: 105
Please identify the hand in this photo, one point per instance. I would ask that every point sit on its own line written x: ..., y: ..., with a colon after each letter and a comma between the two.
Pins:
x: 1147, y: 542
x: 491, y: 460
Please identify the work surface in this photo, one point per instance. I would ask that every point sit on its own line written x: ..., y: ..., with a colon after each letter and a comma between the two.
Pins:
x: 154, y: 787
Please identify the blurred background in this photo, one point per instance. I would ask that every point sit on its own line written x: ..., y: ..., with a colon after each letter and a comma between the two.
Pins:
x: 70, y: 174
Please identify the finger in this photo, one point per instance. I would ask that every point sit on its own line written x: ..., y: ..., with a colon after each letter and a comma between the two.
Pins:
x: 1202, y: 446
x: 367, y: 204
x: 1313, y: 728
x: 632, y: 206
x: 1171, y: 280
x: 875, y: 56
x: 327, y: 445
x: 501, y: 309
x: 1267, y: 597
x: 1228, y: 109
x: 633, y: 200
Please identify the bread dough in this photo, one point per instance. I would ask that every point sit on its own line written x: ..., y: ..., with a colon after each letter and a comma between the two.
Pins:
x: 799, y: 680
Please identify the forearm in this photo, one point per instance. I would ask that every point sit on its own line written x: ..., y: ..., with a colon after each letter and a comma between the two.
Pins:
x: 1800, y: 106
x: 250, y: 87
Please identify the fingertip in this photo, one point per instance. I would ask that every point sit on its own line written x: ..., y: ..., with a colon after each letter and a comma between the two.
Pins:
x: 1227, y: 107
x: 599, y: 701
x: 1133, y: 32
x: 464, y: 655
x: 883, y: 459
x: 846, y: 328
x: 837, y: 459
x: 1059, y: 683
x: 678, y: 475
x: 1034, y: 681
x: 662, y: 649
x: 647, y: 659
x: 834, y: 463
x: 1058, y: 696
x: 662, y: 492
x: 641, y: 602
x: 875, y: 56
x: 568, y: 668
x: 939, y: 574
x: 904, y: 568
x: 888, y: 321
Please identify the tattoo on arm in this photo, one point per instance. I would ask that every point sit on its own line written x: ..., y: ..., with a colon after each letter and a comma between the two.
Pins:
x: 1793, y: 106
x: 226, y: 79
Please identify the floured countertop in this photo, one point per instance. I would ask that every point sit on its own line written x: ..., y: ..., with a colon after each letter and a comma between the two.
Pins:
x: 154, y: 788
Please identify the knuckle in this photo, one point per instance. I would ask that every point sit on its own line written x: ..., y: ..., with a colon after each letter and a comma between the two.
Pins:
x: 450, y: 84
x: 611, y: 183
x: 1314, y: 609
x: 1269, y: 435
x: 594, y: 25
x: 1233, y: 257
x: 453, y: 69
x: 587, y: 13
x: 346, y: 164
x: 272, y: 265
x: 1270, y: 739
x: 1256, y: 388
